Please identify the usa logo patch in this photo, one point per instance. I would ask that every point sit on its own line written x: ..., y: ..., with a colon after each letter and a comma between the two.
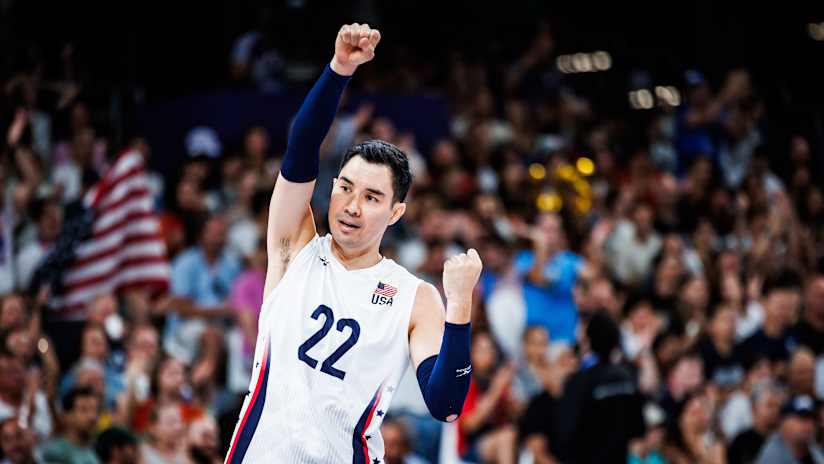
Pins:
x: 383, y: 294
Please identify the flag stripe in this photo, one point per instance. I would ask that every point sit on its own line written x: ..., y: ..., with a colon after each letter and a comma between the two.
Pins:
x: 143, y: 227
x: 109, y: 269
x: 120, y: 257
x: 118, y: 244
x: 149, y: 271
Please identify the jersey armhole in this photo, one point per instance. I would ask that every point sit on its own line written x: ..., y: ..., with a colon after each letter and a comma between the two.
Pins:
x: 298, y: 258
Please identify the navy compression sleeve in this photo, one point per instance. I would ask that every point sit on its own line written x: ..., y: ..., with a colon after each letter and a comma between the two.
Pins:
x: 300, y: 163
x: 444, y: 378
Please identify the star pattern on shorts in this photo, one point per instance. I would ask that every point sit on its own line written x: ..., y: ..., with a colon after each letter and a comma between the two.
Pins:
x: 376, y: 461
x: 368, y: 437
x: 390, y: 389
x: 380, y: 413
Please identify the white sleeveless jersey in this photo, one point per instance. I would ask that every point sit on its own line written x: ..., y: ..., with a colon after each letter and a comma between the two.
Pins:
x: 332, y: 346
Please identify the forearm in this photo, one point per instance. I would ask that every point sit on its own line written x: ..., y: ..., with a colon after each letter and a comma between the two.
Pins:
x: 444, y: 378
x: 312, y: 122
x: 536, y: 272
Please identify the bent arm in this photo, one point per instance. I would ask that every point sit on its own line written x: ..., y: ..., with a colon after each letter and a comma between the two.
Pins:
x: 440, y: 352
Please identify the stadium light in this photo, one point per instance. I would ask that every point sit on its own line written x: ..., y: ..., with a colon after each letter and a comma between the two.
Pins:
x: 584, y: 62
x: 537, y: 171
x: 816, y: 31
x: 585, y: 166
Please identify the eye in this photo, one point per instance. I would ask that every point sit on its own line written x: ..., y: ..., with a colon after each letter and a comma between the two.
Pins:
x: 372, y: 198
x: 345, y: 188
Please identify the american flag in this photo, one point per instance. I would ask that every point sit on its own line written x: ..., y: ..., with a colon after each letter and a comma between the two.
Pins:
x: 111, y: 243
x: 386, y: 290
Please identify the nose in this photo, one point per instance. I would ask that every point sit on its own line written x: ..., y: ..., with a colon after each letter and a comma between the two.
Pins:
x: 352, y: 207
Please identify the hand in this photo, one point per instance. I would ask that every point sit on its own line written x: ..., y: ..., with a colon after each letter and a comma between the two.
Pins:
x: 354, y: 46
x: 502, y: 378
x: 18, y: 125
x: 460, y: 274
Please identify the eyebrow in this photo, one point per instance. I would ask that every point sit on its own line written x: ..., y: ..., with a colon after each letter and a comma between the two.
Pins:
x: 370, y: 190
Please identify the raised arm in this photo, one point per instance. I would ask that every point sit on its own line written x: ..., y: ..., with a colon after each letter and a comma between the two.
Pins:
x: 291, y: 225
x: 439, y: 345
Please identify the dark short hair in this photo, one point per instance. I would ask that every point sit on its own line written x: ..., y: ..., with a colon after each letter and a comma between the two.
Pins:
x: 380, y: 152
x: 604, y: 335
x: 785, y: 279
x: 74, y: 394
x: 111, y: 439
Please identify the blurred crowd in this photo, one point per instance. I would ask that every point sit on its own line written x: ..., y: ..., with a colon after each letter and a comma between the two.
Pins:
x: 685, y: 264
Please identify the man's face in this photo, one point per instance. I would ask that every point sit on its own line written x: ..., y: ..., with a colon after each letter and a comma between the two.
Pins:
x: 126, y: 454
x: 814, y: 301
x: 798, y: 430
x: 361, y: 206
x: 782, y: 304
x: 394, y: 444
x: 536, y: 343
x: 16, y: 442
x: 95, y: 345
x: 214, y: 235
x: 768, y: 407
x: 550, y: 225
x: 83, y: 417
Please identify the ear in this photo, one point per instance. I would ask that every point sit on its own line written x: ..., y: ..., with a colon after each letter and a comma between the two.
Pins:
x: 397, y: 212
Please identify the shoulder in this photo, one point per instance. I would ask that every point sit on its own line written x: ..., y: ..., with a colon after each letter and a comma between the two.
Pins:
x: 428, y: 305
x: 427, y: 296
x: 188, y: 257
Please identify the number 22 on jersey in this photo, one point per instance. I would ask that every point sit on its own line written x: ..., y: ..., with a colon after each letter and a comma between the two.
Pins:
x: 327, y: 367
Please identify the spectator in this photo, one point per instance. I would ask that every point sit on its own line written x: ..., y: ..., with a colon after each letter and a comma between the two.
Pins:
x: 49, y: 219
x: 170, y: 386
x: 809, y: 331
x: 722, y: 364
x: 21, y: 396
x: 203, y: 441
x: 16, y: 442
x: 793, y: 441
x: 649, y: 448
x: 485, y: 431
x: 201, y: 281
x: 81, y: 408
x: 691, y: 439
x: 536, y: 427
x: 801, y: 373
x: 549, y: 271
x: 116, y: 445
x: 780, y: 308
x: 533, y: 366
x: 632, y: 246
x: 397, y: 449
x: 94, y: 353
x: 167, y: 432
x: 745, y: 447
x: 601, y: 402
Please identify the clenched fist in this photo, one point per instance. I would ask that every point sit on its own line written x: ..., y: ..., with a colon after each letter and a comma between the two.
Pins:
x: 354, y: 46
x: 460, y: 274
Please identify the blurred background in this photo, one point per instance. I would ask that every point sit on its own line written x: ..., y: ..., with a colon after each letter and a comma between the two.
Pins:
x: 643, y: 182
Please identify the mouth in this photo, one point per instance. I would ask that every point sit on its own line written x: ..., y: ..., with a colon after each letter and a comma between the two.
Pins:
x: 347, y: 226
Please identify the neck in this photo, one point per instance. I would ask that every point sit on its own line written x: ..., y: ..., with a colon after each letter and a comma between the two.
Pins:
x: 761, y: 426
x: 211, y: 256
x: 353, y: 260
x: 772, y: 327
x: 723, y: 345
x: 76, y: 438
x: 815, y: 321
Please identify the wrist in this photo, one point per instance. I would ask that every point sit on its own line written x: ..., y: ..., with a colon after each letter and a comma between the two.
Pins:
x: 341, y: 68
x: 458, y: 310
